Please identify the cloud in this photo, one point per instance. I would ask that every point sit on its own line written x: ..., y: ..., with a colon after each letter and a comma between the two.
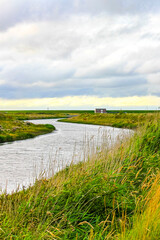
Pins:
x: 121, y: 6
x: 18, y: 11
x: 2, y: 82
x: 49, y: 51
x: 83, y: 102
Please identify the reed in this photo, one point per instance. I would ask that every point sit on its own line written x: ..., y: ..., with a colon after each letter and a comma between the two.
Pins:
x: 111, y: 195
x: 118, y: 119
x: 11, y: 128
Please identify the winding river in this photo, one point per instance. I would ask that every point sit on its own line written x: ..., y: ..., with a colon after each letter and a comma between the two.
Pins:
x: 21, y: 162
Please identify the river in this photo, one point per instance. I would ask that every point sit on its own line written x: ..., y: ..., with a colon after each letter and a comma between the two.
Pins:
x: 21, y: 162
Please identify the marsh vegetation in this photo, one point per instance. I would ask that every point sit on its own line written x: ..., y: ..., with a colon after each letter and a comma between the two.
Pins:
x: 11, y: 128
x: 115, y: 194
x: 119, y: 119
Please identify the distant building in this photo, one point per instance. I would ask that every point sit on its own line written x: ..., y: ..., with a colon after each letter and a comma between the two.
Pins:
x: 100, y: 110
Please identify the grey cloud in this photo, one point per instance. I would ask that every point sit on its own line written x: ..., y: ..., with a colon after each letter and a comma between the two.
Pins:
x: 32, y: 73
x: 16, y: 11
x: 11, y: 92
x: 12, y: 12
x: 110, y: 82
x: 140, y: 90
x: 111, y: 87
x: 92, y: 55
x: 120, y: 6
x: 108, y: 72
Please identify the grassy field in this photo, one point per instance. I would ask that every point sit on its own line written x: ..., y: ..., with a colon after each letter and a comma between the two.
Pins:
x: 42, y: 114
x: 120, y: 119
x: 13, y: 128
x: 115, y: 194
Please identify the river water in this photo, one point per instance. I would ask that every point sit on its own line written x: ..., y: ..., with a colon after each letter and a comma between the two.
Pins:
x: 21, y: 162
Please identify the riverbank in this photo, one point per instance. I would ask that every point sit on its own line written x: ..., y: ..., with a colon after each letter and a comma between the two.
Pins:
x: 119, y: 120
x: 113, y: 195
x: 11, y: 129
x: 41, y: 114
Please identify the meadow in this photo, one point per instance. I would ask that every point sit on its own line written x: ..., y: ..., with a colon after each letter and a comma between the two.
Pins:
x: 130, y: 119
x: 13, y: 128
x: 13, y: 125
x: 115, y: 194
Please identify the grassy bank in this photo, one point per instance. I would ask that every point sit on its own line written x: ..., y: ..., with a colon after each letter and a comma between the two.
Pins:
x: 11, y: 128
x: 120, y: 119
x: 41, y: 114
x: 113, y: 195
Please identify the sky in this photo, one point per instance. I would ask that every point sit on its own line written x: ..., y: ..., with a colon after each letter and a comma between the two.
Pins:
x: 79, y: 54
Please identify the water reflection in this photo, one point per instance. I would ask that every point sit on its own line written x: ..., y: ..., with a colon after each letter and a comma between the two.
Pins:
x: 22, y: 161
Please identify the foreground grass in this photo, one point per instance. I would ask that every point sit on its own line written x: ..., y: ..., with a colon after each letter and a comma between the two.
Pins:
x: 117, y: 119
x: 146, y: 225
x: 113, y: 195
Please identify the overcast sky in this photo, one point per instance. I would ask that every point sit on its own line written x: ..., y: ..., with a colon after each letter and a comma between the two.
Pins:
x: 66, y: 54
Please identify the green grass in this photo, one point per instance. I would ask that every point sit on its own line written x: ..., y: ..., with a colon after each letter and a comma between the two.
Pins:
x: 145, y: 225
x: 42, y: 114
x: 106, y: 197
x: 11, y: 128
x: 119, y: 120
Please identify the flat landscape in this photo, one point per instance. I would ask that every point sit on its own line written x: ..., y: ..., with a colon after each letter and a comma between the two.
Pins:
x: 120, y: 119
x: 13, y: 127
x: 79, y: 120
x: 115, y: 194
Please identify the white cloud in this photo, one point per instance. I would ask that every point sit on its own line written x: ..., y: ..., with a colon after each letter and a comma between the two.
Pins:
x: 101, y: 54
x: 2, y: 82
x: 84, y: 102
x: 16, y: 11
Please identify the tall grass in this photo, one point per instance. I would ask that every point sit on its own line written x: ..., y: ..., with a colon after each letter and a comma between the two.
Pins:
x: 12, y: 129
x: 118, y: 119
x: 109, y: 196
x: 146, y: 222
